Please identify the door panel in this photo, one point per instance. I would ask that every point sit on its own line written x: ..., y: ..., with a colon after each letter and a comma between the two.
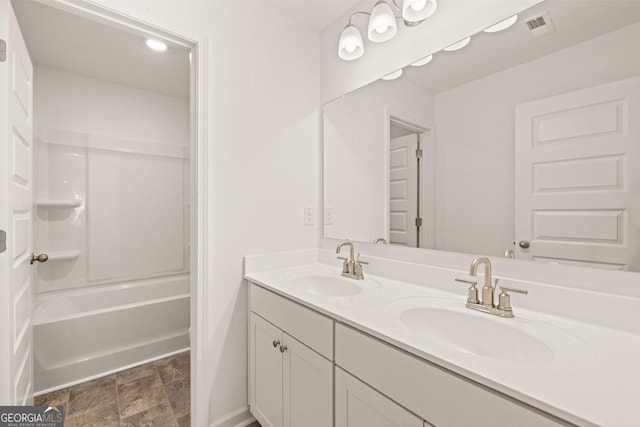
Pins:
x: 265, y: 372
x: 16, y: 185
x: 308, y: 386
x: 358, y: 405
x: 578, y: 177
x: 403, y: 190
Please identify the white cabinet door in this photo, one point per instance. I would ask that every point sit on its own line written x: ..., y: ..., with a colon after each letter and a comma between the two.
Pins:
x: 358, y: 405
x: 265, y: 372
x: 308, y: 386
x: 16, y: 216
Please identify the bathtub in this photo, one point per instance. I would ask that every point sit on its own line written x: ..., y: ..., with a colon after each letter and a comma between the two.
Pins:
x: 80, y: 335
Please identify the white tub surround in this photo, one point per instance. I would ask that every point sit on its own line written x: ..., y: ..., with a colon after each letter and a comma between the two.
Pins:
x: 585, y: 373
x: 89, y: 333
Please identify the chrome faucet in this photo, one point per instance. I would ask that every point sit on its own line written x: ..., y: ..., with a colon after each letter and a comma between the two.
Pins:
x: 352, y: 266
x: 487, y: 305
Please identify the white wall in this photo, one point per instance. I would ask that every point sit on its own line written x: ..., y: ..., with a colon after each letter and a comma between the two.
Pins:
x: 264, y: 122
x: 453, y: 21
x: 476, y: 129
x: 71, y: 102
x: 356, y: 154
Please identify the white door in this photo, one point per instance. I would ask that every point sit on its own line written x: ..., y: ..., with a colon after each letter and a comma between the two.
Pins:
x: 358, y: 405
x: 16, y: 187
x: 308, y: 386
x: 578, y: 177
x: 403, y: 191
x: 265, y: 372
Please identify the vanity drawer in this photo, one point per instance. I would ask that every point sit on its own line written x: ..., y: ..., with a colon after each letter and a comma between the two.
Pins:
x: 311, y: 328
x: 437, y: 395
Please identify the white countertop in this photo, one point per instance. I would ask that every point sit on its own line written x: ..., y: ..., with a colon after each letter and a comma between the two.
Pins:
x: 592, y: 378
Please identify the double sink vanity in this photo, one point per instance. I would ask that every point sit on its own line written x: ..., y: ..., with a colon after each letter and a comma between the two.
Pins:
x: 329, y: 348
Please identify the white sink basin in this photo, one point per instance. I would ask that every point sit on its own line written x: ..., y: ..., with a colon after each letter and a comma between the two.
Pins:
x: 518, y: 341
x: 328, y: 285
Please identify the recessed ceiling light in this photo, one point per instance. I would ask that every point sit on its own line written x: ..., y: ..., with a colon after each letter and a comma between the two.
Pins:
x: 423, y: 61
x: 394, y: 75
x: 502, y: 25
x: 459, y: 45
x: 156, y: 45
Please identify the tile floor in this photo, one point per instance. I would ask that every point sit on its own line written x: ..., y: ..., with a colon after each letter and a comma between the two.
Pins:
x: 155, y: 394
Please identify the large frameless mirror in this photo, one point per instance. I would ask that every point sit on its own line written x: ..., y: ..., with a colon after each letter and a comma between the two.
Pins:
x: 524, y: 143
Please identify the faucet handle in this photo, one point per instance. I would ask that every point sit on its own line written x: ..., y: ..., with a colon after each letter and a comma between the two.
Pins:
x: 345, y: 264
x: 504, y: 299
x: 472, y: 297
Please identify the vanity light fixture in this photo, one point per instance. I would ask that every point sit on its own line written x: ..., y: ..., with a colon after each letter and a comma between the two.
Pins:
x: 502, y: 25
x: 394, y: 75
x: 382, y: 24
x: 156, y: 45
x: 416, y: 11
x: 351, y: 45
x: 458, y: 45
x: 423, y: 61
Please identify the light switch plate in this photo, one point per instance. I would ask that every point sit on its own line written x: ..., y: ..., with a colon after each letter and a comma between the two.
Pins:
x: 328, y: 216
x: 308, y: 215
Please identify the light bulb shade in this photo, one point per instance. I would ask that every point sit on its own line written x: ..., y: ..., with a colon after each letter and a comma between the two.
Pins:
x: 418, y: 10
x: 457, y: 46
x: 382, y: 23
x: 393, y: 76
x: 502, y: 25
x: 423, y: 61
x: 351, y: 45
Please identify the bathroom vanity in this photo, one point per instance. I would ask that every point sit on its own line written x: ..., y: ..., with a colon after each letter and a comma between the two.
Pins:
x: 325, y: 350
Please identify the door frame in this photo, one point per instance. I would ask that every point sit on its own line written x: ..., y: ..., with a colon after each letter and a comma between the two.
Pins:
x: 200, y: 180
x: 427, y: 174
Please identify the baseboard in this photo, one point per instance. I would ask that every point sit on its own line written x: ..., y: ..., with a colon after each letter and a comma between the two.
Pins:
x: 238, y: 418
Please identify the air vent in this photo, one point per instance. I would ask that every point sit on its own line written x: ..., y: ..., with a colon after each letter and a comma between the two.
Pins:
x: 536, y: 23
x: 540, y: 25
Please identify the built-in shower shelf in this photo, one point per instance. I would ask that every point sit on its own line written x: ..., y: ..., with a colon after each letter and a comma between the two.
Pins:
x: 59, y: 203
x: 63, y: 255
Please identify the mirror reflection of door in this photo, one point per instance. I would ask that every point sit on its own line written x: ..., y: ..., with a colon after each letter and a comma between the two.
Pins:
x: 578, y: 175
x: 406, y: 173
x: 403, y: 190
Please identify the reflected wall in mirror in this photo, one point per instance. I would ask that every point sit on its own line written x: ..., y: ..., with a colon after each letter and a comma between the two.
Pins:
x: 525, y: 141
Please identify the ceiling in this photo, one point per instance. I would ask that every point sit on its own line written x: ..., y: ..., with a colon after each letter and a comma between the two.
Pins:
x: 486, y: 54
x: 68, y: 42
x: 315, y: 14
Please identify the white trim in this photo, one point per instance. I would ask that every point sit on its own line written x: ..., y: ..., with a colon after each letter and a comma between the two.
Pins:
x: 239, y: 418
x: 200, y: 247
